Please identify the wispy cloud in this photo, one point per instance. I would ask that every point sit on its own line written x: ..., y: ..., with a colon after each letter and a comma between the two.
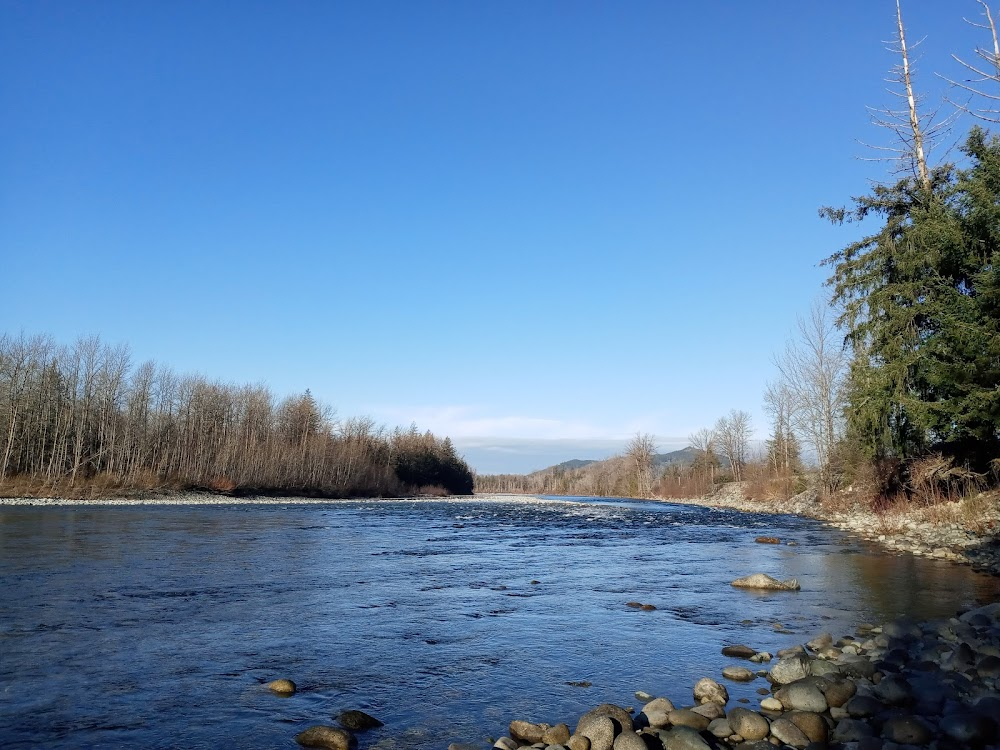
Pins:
x: 467, y: 421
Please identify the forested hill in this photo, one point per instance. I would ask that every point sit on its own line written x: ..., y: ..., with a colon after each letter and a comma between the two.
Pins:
x: 80, y: 420
x: 682, y: 457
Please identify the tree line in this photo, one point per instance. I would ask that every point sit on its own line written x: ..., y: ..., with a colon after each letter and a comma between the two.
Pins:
x: 82, y: 419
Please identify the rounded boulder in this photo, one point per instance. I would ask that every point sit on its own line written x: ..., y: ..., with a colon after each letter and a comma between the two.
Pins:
x: 329, y: 738
x: 707, y: 690
x: 750, y: 725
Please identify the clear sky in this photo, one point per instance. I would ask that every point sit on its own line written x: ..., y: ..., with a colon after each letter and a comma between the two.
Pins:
x: 509, y: 222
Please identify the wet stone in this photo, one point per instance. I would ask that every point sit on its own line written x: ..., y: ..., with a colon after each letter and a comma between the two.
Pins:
x: 358, y: 721
x: 708, y: 690
x: 748, y: 724
x: 685, y: 717
x: 786, y: 731
x: 738, y: 674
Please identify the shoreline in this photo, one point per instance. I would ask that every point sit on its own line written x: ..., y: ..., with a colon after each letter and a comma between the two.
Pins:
x: 904, y: 683
x: 942, y: 532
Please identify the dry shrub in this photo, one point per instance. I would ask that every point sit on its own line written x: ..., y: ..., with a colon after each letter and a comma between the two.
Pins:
x: 225, y: 485
x: 935, y: 479
x: 684, y: 486
x: 147, y: 480
x: 433, y: 490
x: 765, y: 483
x: 839, y: 501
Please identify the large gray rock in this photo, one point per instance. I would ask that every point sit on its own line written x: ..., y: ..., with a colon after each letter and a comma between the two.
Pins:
x: 621, y: 717
x: 738, y: 674
x: 685, y: 717
x: 750, y: 725
x: 329, y: 738
x: 720, y: 728
x: 802, y: 696
x: 789, y: 669
x: 766, y: 582
x: 856, y: 666
x: 629, y: 741
x: 708, y: 690
x: 578, y: 742
x: 526, y: 731
x: 505, y: 743
x: 683, y: 738
x: 600, y: 730
x: 557, y: 735
x: 820, y: 642
x: 838, y: 692
x: 710, y: 710
x: 813, y: 725
x: 786, y: 731
x: 656, y: 712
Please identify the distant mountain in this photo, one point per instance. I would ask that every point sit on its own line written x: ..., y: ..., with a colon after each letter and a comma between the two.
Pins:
x: 683, y: 457
x: 574, y: 463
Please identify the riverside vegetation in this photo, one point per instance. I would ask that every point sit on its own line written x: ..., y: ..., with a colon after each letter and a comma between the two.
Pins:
x: 81, y: 421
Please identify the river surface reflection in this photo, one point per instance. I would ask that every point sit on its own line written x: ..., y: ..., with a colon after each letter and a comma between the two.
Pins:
x: 157, y: 626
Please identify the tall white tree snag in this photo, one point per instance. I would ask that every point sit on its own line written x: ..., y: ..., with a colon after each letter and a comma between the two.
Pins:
x: 915, y: 133
x: 918, y: 135
x: 986, y: 72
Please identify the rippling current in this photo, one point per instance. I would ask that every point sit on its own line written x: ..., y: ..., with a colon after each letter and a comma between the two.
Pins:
x: 158, y: 626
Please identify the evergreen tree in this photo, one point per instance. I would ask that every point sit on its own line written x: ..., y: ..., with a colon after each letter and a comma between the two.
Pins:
x: 921, y: 312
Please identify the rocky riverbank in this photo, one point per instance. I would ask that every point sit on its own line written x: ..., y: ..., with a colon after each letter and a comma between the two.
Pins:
x: 965, y: 532
x: 902, y: 685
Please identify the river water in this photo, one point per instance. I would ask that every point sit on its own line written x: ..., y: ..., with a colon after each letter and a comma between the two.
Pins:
x: 158, y: 626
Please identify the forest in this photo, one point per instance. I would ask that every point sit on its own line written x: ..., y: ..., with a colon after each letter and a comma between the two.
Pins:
x: 82, y: 421
x: 890, y: 386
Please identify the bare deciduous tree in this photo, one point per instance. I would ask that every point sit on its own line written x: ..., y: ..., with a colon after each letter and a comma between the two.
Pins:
x: 812, y: 372
x: 733, y: 434
x: 640, y: 452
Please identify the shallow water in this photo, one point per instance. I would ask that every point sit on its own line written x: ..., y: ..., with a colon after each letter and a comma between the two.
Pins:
x: 157, y: 626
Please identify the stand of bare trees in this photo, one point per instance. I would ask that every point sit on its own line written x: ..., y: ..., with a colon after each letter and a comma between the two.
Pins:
x: 610, y: 478
x: 80, y: 418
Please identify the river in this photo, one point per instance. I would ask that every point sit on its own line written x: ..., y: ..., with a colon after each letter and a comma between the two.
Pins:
x: 157, y: 626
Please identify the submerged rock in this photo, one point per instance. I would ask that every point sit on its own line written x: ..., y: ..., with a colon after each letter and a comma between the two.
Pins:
x: 330, y: 738
x: 358, y: 721
x: 281, y: 687
x: 766, y: 582
x: 738, y: 674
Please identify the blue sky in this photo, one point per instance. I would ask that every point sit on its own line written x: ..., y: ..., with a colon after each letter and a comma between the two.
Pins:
x: 521, y: 224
